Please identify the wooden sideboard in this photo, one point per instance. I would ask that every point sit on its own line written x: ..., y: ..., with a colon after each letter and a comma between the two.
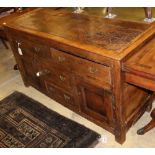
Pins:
x: 100, y: 68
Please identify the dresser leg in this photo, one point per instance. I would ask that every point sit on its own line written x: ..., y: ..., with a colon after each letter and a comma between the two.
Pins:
x: 120, y: 136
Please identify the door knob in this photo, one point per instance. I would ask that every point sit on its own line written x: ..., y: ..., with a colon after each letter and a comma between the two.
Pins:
x: 19, y: 49
x: 41, y: 73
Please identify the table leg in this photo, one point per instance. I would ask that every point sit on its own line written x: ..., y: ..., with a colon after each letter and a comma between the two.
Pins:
x: 149, y: 126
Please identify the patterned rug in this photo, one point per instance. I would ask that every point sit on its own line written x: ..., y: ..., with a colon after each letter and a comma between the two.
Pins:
x: 25, y: 122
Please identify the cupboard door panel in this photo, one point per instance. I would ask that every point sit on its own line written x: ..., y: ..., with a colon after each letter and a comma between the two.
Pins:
x: 96, y: 102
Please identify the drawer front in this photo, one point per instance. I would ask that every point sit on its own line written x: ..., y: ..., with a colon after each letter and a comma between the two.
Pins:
x: 23, y: 51
x: 60, y: 95
x: 88, y: 70
x: 55, y: 75
x: 61, y: 59
x: 92, y: 71
x: 29, y: 49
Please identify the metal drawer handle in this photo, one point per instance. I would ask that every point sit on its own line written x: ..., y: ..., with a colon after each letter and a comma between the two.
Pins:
x: 41, y: 73
x: 67, y: 97
x: 61, y: 59
x: 37, y: 49
x: 62, y: 78
x: 38, y: 74
x: 92, y: 70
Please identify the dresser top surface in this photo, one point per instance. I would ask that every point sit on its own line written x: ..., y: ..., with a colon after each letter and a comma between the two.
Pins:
x: 108, y: 37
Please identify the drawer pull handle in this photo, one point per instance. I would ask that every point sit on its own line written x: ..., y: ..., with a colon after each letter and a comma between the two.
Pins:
x: 37, y: 49
x: 62, y: 78
x: 66, y: 97
x: 61, y: 59
x: 38, y: 74
x: 19, y: 49
x: 92, y: 70
x: 41, y: 73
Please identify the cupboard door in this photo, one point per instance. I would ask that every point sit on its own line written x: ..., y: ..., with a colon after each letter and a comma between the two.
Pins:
x: 96, y: 102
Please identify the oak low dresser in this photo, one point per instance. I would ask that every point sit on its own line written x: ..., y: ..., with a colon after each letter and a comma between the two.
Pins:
x: 100, y: 68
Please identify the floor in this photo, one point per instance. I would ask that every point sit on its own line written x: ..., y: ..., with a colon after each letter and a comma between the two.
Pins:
x: 10, y: 81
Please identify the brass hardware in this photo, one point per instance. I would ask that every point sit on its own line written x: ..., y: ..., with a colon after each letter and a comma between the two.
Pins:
x: 92, y: 70
x: 37, y: 49
x: 61, y: 59
x: 52, y: 49
x: 62, y: 78
x: 66, y: 97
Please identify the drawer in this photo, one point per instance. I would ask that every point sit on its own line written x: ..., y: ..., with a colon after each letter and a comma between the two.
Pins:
x: 93, y: 72
x: 61, y: 59
x: 30, y: 49
x: 139, y: 69
x: 57, y: 76
x: 60, y: 95
x: 88, y: 70
x: 25, y: 52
